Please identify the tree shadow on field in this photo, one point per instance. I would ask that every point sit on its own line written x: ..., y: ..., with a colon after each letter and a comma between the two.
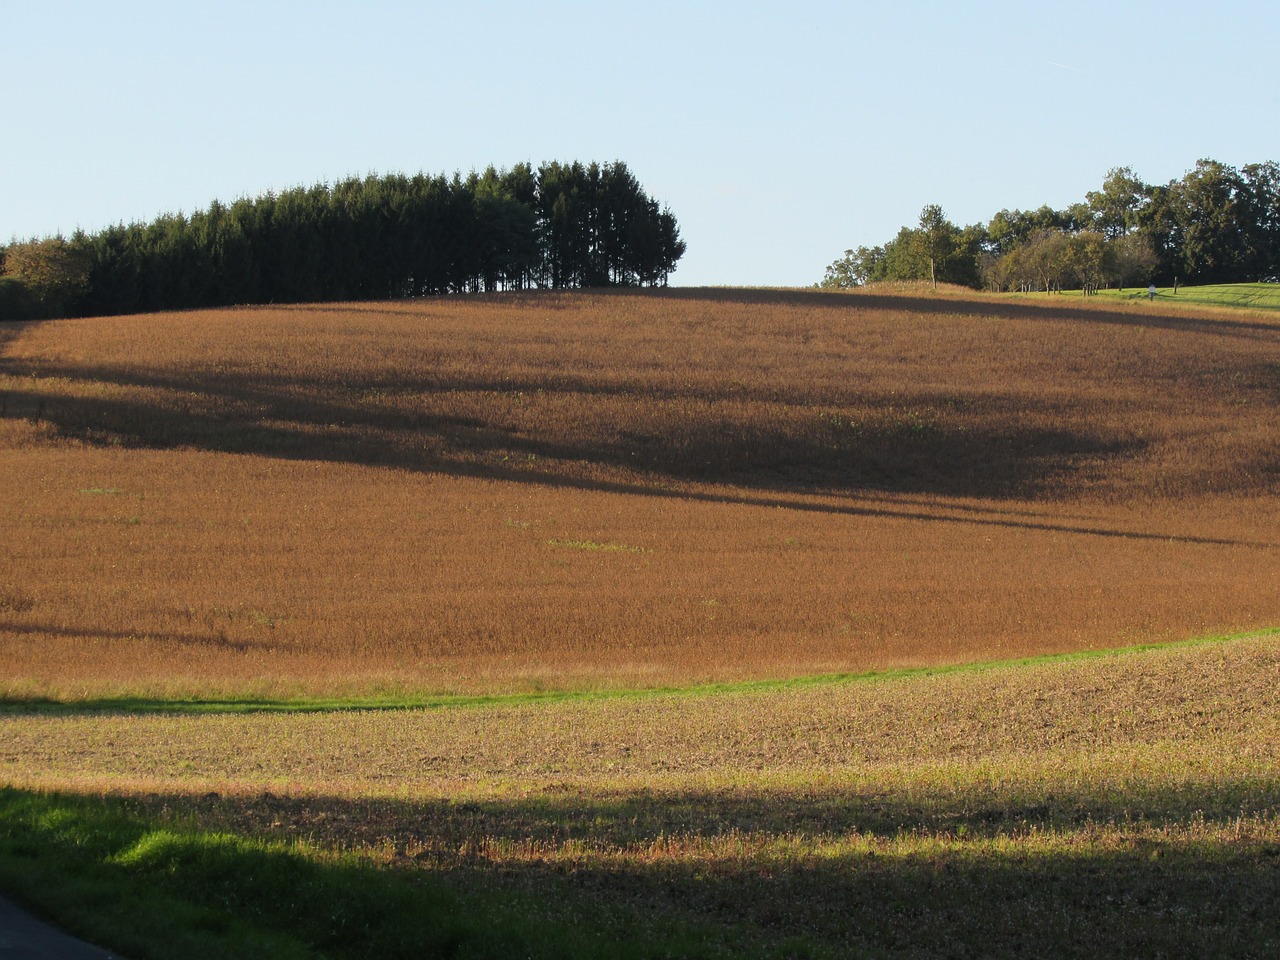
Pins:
x: 926, y: 445
x: 962, y: 877
x: 921, y: 450
x: 290, y: 419
x: 213, y: 639
x: 1059, y: 308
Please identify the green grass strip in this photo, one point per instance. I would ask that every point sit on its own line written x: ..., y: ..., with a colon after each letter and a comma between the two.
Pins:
x: 132, y: 705
x: 1251, y: 296
x: 152, y: 889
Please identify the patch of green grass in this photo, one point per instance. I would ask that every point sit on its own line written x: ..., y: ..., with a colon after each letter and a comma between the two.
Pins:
x: 1255, y: 296
x: 152, y: 887
x: 159, y: 885
x: 593, y: 545
x: 128, y: 705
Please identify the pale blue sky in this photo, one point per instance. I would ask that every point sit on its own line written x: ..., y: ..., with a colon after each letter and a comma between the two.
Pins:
x: 779, y: 134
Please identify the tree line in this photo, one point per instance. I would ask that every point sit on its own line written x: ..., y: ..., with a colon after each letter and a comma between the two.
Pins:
x: 1216, y: 224
x: 563, y: 225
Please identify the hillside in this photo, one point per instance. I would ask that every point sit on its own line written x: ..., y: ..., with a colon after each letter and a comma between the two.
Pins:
x: 761, y: 390
x: 533, y: 491
x: 321, y: 627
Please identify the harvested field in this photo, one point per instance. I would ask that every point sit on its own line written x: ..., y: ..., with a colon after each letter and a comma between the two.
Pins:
x: 524, y: 494
x: 544, y: 491
x: 1114, y: 806
x: 1212, y: 706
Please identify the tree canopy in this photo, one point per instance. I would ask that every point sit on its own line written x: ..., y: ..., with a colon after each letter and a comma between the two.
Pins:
x: 45, y: 277
x: 1216, y: 224
x: 562, y: 225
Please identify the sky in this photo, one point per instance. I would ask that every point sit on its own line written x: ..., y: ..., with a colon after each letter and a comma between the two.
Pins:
x: 779, y: 134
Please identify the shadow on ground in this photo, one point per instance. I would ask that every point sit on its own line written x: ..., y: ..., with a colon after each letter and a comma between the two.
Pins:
x: 628, y: 433
x: 1050, y: 308
x: 980, y: 882
x: 927, y: 449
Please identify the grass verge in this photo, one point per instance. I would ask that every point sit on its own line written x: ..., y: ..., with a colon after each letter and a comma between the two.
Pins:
x: 151, y: 887
x: 132, y: 705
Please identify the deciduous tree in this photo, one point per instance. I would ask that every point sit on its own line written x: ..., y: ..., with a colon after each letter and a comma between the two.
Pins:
x: 854, y: 269
x: 1116, y: 206
x: 53, y: 271
x: 935, y: 239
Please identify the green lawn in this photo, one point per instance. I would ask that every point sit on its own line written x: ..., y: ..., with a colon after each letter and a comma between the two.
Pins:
x: 1256, y: 296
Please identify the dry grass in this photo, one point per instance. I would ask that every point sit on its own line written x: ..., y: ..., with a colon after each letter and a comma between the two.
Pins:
x: 613, y: 490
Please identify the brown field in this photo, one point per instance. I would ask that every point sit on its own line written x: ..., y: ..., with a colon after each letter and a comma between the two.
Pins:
x: 593, y: 490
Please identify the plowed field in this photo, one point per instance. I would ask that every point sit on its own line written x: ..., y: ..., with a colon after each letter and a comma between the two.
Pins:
x: 543, y: 491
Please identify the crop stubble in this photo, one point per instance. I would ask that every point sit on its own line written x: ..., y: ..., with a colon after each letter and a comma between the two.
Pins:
x: 1212, y: 706
x: 1115, y: 804
x: 549, y: 491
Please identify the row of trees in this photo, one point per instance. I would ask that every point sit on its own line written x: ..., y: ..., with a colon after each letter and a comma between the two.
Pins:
x: 1216, y: 224
x: 1086, y: 260
x: 562, y: 225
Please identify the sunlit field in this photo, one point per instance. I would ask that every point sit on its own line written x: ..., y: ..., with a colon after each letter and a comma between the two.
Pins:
x: 1114, y: 807
x: 525, y: 492
x: 507, y: 625
x: 1255, y: 296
